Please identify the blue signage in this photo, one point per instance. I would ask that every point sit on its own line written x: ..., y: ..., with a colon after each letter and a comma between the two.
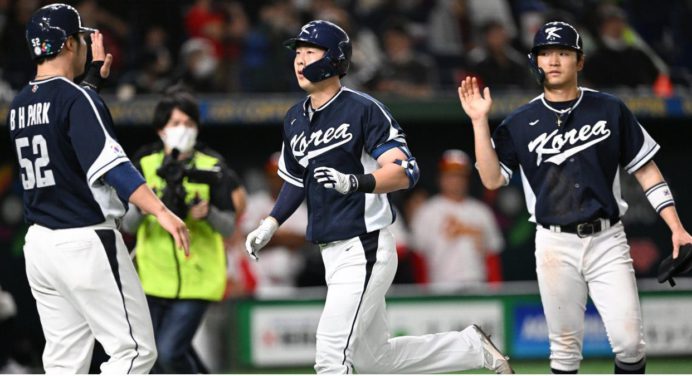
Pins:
x: 529, y: 337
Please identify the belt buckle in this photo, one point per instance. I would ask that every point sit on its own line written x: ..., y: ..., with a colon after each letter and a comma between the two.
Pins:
x: 585, y: 229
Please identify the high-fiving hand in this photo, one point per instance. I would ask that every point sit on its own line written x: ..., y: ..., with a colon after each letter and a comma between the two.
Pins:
x: 475, y: 105
x: 98, y: 53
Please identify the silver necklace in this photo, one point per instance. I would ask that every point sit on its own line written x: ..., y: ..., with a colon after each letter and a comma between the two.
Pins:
x: 558, y: 115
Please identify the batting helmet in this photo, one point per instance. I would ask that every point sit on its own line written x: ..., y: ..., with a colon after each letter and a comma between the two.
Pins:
x: 554, y: 33
x: 49, y: 28
x: 332, y: 38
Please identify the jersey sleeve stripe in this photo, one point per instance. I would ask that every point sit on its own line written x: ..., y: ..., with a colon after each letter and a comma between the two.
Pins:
x: 386, y: 146
x: 93, y: 176
x: 290, y: 179
x: 634, y: 166
x: 648, y: 149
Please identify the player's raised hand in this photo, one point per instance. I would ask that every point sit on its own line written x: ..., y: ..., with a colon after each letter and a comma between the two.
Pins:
x: 333, y: 179
x: 475, y: 105
x: 98, y: 53
x: 260, y: 236
x: 176, y: 227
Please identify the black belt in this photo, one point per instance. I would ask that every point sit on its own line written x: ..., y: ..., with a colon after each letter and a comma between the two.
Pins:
x: 585, y: 228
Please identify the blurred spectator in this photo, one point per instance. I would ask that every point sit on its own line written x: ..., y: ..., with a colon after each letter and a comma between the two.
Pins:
x: 281, y: 260
x: 376, y: 12
x: 154, y: 66
x: 449, y: 37
x: 457, y: 234
x: 115, y: 32
x: 496, y: 62
x: 237, y: 28
x: 367, y: 56
x: 18, y: 68
x: 450, y: 31
x: 484, y: 11
x: 198, y: 69
x: 619, y: 59
x: 405, y: 72
x: 531, y: 16
x: 204, y: 20
x: 264, y: 53
x: 411, y: 267
x: 668, y: 30
x: 224, y: 25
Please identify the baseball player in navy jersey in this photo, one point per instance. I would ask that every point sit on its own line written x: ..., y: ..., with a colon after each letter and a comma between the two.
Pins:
x: 77, y: 181
x: 569, y: 145
x: 343, y: 151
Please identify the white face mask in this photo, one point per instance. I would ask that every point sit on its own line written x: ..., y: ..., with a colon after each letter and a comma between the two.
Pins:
x: 204, y: 67
x: 181, y: 137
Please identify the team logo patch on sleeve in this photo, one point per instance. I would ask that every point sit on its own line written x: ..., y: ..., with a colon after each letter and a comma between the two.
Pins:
x: 116, y: 149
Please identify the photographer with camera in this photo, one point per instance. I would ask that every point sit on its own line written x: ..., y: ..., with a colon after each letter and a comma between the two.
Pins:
x: 196, y: 184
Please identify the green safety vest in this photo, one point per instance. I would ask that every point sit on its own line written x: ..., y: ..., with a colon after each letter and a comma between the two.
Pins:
x: 165, y: 272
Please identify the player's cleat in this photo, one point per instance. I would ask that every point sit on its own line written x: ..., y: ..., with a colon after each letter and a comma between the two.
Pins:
x: 492, y: 357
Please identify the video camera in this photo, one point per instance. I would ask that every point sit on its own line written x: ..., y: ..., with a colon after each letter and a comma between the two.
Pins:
x: 173, y: 172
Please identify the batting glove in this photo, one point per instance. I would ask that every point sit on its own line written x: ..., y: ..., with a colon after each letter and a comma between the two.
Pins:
x: 260, y: 236
x: 333, y: 179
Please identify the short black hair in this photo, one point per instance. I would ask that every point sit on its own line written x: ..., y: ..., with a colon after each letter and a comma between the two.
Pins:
x: 173, y: 99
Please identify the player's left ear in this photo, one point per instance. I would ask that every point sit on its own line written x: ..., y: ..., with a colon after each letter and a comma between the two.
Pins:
x: 72, y: 42
x: 580, y: 61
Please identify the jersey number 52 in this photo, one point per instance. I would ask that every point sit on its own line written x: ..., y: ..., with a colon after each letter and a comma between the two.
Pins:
x: 34, y: 174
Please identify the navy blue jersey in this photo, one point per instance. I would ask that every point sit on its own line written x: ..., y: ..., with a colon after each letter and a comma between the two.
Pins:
x: 63, y: 137
x: 570, y: 171
x: 347, y: 133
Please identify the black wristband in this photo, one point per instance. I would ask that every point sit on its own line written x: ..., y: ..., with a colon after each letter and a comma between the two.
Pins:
x: 93, y: 78
x: 364, y: 183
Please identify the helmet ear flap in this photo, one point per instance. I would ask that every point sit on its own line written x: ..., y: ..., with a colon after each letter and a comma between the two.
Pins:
x: 535, y: 70
x: 344, y: 60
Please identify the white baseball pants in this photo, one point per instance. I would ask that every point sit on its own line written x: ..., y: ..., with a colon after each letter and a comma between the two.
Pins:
x: 86, y: 287
x: 569, y: 268
x: 353, y: 330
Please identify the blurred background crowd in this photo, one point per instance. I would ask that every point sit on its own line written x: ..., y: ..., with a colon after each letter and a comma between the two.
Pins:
x: 405, y: 47
x: 451, y: 233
